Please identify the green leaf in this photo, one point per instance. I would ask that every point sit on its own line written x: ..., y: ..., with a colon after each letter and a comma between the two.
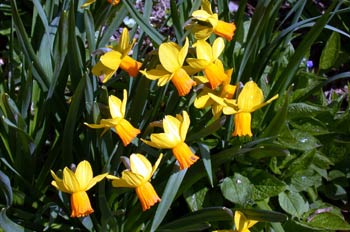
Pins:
x: 330, y: 52
x: 293, y: 203
x: 329, y: 221
x: 298, y: 140
x: 7, y: 225
x: 265, y: 185
x: 264, y: 215
x: 301, y: 163
x: 237, y: 189
x: 195, y: 200
x: 198, y: 221
x: 205, y: 155
x: 168, y: 196
x: 5, y: 187
x: 304, y: 179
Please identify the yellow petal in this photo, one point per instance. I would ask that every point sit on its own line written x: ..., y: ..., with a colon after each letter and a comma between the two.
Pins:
x: 124, y: 41
x: 115, y: 106
x: 183, y: 52
x: 224, y: 29
x: 111, y: 59
x: 128, y: 180
x: 203, y: 99
x: 206, y: 6
x: 250, y: 97
x: 83, y: 174
x: 139, y: 164
x: 204, y: 51
x: 155, y: 74
x: 87, y: 3
x: 265, y: 103
x: 201, y: 15
x: 156, y: 164
x: 70, y: 181
x: 126, y: 131
x: 197, y: 64
x: 185, y: 124
x: 130, y: 65
x: 171, y: 126
x: 168, y: 56
x: 218, y: 47
x: 94, y: 180
x: 58, y: 183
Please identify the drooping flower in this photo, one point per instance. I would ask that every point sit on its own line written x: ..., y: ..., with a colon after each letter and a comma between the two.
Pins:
x: 225, y: 91
x: 175, y: 131
x: 117, y: 57
x: 242, y: 224
x: 206, y: 22
x: 77, y: 183
x: 138, y: 176
x: 208, y: 61
x: 250, y: 99
x: 122, y: 126
x: 172, y: 58
x: 89, y: 2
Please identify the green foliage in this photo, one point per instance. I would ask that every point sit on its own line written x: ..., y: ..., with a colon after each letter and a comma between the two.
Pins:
x: 292, y: 174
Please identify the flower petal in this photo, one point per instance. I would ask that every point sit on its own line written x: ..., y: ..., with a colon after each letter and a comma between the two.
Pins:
x: 111, y: 59
x: 250, y: 97
x: 139, y: 164
x: 70, y: 181
x: 156, y: 164
x: 96, y: 179
x: 58, y: 183
x: 183, y: 52
x: 83, y: 174
x: 128, y: 180
x: 218, y: 47
x: 204, y: 51
x: 185, y: 124
x: 115, y: 106
x: 168, y: 56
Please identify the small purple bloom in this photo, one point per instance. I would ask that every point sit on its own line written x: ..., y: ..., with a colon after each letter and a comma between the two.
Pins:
x: 309, y: 64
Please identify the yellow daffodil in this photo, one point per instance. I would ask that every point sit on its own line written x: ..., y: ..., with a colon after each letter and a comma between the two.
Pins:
x: 122, y: 127
x: 206, y: 22
x: 138, y: 176
x: 225, y: 91
x: 175, y: 131
x: 172, y: 58
x: 77, y: 183
x: 242, y: 224
x: 208, y: 61
x: 89, y: 2
x: 250, y: 99
x: 117, y: 57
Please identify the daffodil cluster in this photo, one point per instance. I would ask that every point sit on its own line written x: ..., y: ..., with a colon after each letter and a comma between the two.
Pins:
x: 214, y: 91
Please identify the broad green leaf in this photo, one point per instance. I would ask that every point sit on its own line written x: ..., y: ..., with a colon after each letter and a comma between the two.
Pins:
x: 330, y: 53
x: 328, y: 221
x: 265, y: 185
x: 299, y: 164
x: 304, y: 179
x: 168, y: 196
x: 298, y: 140
x: 237, y: 189
x: 195, y: 200
x: 198, y: 220
x: 300, y: 110
x: 293, y: 203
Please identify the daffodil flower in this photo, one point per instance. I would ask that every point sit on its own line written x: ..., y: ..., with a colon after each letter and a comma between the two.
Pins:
x: 122, y: 126
x: 225, y: 91
x: 206, y: 22
x: 138, y: 176
x: 242, y: 224
x: 77, y: 183
x: 89, y: 2
x: 250, y: 99
x: 117, y: 57
x: 172, y: 58
x: 175, y: 131
x: 208, y: 61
